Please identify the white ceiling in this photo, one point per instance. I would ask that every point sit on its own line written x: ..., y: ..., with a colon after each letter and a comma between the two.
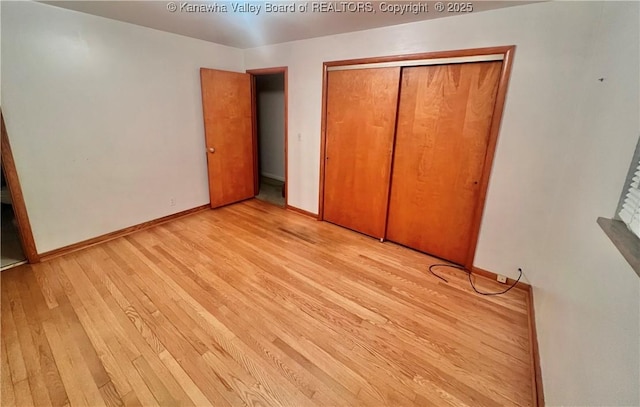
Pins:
x: 247, y: 30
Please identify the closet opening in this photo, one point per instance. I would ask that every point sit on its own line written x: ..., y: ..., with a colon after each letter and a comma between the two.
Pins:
x: 270, y: 134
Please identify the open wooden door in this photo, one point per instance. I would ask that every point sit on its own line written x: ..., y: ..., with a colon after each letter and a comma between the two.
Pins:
x: 227, y: 111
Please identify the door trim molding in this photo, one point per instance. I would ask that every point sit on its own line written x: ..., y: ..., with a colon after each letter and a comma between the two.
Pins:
x: 496, y: 121
x: 268, y: 71
x: 17, y: 198
x: 421, y: 62
x: 506, y: 51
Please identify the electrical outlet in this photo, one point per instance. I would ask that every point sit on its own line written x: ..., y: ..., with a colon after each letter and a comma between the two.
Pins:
x: 172, y: 202
x: 502, y: 279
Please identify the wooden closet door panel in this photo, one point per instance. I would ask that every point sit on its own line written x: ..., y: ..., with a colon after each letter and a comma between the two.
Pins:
x: 361, y: 115
x: 441, y: 143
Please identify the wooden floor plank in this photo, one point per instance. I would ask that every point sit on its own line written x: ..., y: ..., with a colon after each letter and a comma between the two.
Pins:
x: 47, y: 289
x: 36, y: 310
x: 10, y: 338
x: 73, y: 382
x: 85, y: 346
x: 254, y: 305
x: 7, y: 395
x: 30, y: 352
x: 159, y: 390
x: 23, y: 393
x: 195, y: 394
x: 110, y: 395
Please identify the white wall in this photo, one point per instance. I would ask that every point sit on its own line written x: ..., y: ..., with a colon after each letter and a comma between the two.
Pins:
x: 564, y: 148
x: 270, y: 94
x: 587, y: 292
x: 104, y: 119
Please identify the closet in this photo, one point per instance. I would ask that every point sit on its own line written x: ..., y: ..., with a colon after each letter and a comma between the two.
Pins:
x: 408, y: 150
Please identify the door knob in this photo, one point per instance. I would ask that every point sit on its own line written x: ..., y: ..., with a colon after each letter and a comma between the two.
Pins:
x: 211, y: 150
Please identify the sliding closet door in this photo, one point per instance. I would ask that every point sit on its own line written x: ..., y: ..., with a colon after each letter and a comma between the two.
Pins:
x: 444, y: 121
x: 361, y: 115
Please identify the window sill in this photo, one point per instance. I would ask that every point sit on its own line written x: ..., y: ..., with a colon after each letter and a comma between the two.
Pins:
x: 626, y: 242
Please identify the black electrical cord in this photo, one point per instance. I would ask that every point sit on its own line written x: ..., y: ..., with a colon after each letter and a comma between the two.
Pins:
x: 470, y: 280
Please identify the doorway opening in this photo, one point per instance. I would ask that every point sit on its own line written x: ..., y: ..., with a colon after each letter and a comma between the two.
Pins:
x: 18, y: 246
x: 11, y: 252
x: 270, y: 134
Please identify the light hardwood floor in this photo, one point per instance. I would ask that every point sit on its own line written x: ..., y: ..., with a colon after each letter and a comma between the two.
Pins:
x: 252, y: 305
